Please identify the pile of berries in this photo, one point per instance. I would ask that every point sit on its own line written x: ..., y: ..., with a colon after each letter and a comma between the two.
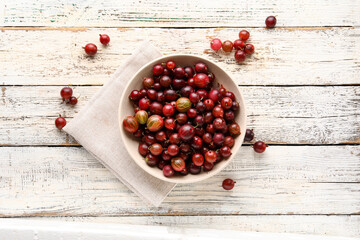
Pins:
x: 184, y: 124
x: 91, y: 49
x: 66, y: 94
x: 242, y: 48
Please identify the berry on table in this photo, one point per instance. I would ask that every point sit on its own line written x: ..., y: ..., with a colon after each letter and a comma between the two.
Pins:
x: 104, y: 39
x: 228, y: 184
x: 66, y: 93
x: 249, y: 135
x: 227, y: 46
x: 73, y: 100
x: 260, y: 146
x: 90, y: 49
x: 60, y: 122
x: 215, y: 44
x: 244, y: 35
x: 249, y: 49
x: 240, y: 56
x: 239, y: 44
x: 270, y: 22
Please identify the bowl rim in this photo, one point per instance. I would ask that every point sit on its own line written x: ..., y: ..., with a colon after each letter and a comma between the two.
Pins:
x: 202, y: 175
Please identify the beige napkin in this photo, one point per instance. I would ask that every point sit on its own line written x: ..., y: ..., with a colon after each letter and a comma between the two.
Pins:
x: 96, y: 128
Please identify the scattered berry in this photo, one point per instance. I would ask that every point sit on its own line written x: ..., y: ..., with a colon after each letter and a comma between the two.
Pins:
x: 249, y: 136
x: 73, y: 101
x: 104, y: 39
x: 215, y: 44
x: 239, y: 44
x: 240, y: 56
x: 249, y: 49
x: 270, y: 22
x: 90, y: 49
x: 259, y: 147
x: 244, y: 35
x: 66, y: 93
x: 60, y: 122
x: 228, y: 184
x: 227, y: 46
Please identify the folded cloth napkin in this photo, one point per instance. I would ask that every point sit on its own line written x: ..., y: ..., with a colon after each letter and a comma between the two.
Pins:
x: 96, y: 128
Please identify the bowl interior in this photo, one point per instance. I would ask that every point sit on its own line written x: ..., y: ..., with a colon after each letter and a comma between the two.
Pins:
x: 126, y: 109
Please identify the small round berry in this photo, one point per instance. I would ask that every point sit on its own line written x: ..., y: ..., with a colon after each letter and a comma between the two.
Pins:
x: 66, y: 93
x: 201, y: 67
x: 73, y: 101
x: 228, y: 184
x: 238, y: 44
x: 193, y: 169
x: 198, y: 159
x: 104, y: 39
x: 170, y: 64
x: 260, y: 146
x: 158, y: 70
x: 143, y: 149
x: 210, y: 156
x: 249, y: 136
x: 249, y: 49
x: 60, y: 122
x: 135, y: 95
x: 244, y: 35
x: 270, y: 22
x: 144, y: 104
x: 225, y: 151
x: 168, y: 171
x: 156, y: 149
x: 151, y: 160
x: 189, y: 72
x: 229, y: 141
x: 215, y: 44
x: 240, y: 56
x: 208, y: 166
x: 90, y: 49
x: 179, y: 72
x: 226, y: 103
x: 157, y: 86
x: 227, y: 46
x: 173, y: 150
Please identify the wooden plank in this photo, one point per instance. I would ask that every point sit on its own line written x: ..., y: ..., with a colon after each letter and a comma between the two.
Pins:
x: 280, y: 115
x: 57, y: 230
x: 292, y: 56
x: 57, y: 181
x: 172, y: 13
x: 345, y: 226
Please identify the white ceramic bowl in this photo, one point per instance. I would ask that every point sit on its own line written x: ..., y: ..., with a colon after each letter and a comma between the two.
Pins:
x: 126, y: 109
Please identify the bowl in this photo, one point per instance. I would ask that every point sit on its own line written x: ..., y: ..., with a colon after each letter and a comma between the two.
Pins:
x: 126, y: 109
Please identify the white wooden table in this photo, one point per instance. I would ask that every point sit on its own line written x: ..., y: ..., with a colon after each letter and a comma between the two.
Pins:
x: 301, y: 88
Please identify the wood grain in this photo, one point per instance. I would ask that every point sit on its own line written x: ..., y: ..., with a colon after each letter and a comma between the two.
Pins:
x: 307, y: 56
x: 345, y: 226
x: 172, y: 13
x: 281, y: 115
x: 58, y: 181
